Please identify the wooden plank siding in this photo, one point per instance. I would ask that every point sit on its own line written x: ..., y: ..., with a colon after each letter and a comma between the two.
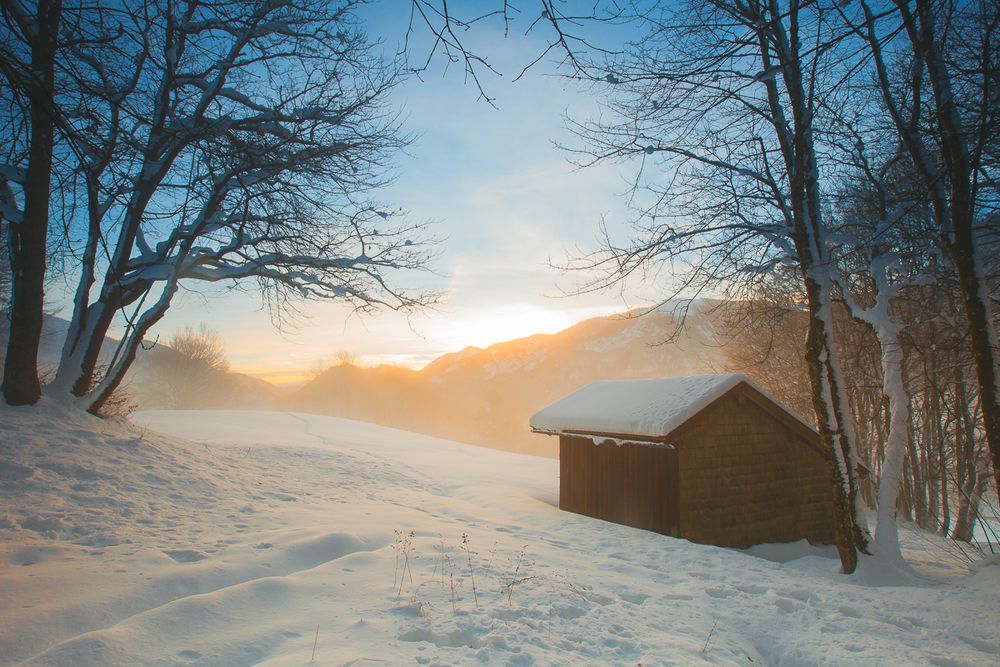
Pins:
x: 651, y: 487
x: 634, y: 484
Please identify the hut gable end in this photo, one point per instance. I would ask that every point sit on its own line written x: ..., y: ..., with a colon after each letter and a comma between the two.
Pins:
x: 746, y: 476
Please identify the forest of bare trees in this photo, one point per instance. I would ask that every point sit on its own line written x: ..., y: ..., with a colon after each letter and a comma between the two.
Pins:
x: 849, y: 148
x: 946, y: 477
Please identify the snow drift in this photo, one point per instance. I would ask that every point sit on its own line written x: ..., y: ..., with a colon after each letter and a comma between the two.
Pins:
x: 276, y: 538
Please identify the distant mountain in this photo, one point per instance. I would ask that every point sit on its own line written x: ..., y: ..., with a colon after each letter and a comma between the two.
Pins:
x: 485, y: 396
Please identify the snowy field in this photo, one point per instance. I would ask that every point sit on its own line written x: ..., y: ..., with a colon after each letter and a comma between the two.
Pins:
x: 239, y: 538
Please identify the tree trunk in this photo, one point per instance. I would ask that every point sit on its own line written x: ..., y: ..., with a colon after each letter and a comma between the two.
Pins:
x: 27, y: 239
x: 796, y: 141
x: 919, y: 487
x: 966, y: 473
x: 84, y: 371
x: 97, y: 399
x: 906, y: 493
x: 944, y: 519
x: 894, y: 384
x: 827, y: 400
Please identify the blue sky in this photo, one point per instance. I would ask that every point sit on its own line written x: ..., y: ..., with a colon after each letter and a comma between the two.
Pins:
x: 507, y: 203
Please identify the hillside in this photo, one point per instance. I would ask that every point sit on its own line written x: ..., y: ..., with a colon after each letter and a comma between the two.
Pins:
x: 290, y: 539
x: 144, y: 383
x: 485, y: 396
x: 480, y: 396
x: 152, y: 384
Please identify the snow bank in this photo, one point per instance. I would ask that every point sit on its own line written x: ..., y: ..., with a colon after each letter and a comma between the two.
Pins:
x: 283, y: 539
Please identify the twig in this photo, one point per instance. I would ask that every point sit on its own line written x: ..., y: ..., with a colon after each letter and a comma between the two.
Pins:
x: 709, y: 638
x: 472, y: 574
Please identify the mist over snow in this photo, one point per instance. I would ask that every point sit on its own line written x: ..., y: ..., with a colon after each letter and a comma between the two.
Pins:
x: 486, y: 396
x: 239, y: 538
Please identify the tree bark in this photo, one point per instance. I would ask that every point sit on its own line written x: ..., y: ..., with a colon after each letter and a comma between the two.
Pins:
x: 894, y: 384
x: 850, y: 533
x: 27, y: 239
x: 98, y: 397
x: 796, y: 141
x: 967, y: 477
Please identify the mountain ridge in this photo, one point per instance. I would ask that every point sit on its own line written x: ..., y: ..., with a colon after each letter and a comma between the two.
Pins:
x: 486, y: 395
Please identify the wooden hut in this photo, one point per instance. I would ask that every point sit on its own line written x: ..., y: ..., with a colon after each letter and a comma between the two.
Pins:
x: 712, y: 459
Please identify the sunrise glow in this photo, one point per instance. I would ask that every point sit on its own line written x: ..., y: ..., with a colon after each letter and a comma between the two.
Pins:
x: 488, y: 326
x: 295, y: 356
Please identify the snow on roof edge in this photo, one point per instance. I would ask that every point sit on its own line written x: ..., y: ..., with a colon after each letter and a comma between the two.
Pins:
x: 651, y: 408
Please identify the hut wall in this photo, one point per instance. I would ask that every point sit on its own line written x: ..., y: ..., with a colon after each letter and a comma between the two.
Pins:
x: 747, y: 478
x: 633, y: 484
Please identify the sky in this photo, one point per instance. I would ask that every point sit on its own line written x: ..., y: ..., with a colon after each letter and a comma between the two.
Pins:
x: 508, y: 205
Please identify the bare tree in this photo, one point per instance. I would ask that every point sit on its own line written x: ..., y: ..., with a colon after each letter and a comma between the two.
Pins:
x: 221, y: 142
x: 888, y: 276
x: 187, y: 370
x: 201, y: 345
x: 725, y: 100
x: 4, y: 290
x: 439, y: 31
x: 4, y: 274
x: 762, y: 338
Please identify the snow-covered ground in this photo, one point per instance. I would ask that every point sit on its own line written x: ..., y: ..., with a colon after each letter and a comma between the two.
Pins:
x: 285, y: 539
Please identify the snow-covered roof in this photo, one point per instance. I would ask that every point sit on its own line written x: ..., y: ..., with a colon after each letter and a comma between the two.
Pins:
x: 650, y: 408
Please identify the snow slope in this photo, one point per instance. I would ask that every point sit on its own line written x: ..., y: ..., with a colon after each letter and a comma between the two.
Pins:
x: 285, y: 539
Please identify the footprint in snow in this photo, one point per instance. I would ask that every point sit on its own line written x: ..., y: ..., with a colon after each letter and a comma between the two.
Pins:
x: 753, y: 589
x: 788, y: 605
x: 801, y: 595
x: 186, y: 555
x: 980, y: 645
x: 719, y: 593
